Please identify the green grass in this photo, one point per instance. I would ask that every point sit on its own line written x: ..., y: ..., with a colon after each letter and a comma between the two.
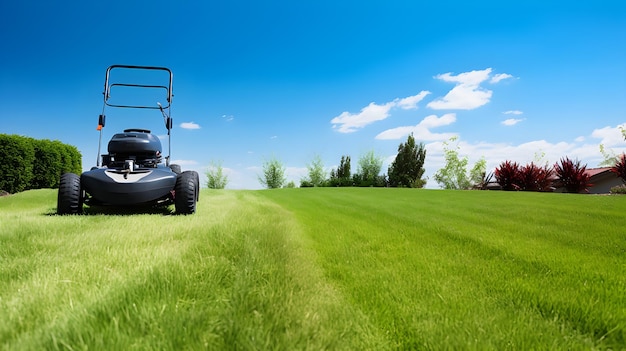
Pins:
x: 318, y: 268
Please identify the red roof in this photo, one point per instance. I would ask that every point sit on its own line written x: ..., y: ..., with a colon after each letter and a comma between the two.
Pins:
x: 595, y: 171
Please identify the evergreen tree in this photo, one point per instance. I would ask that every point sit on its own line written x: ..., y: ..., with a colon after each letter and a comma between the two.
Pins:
x: 408, y: 167
x: 343, y: 172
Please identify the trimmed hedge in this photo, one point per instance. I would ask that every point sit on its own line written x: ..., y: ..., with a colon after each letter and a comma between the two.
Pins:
x: 27, y: 163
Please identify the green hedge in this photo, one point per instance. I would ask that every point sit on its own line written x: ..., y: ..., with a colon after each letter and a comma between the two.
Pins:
x: 27, y: 163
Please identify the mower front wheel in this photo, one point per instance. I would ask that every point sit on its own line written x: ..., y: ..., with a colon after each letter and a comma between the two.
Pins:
x: 186, y: 192
x: 70, y: 197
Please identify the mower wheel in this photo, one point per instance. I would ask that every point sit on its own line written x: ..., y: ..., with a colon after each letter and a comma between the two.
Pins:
x: 186, y: 192
x: 69, y: 199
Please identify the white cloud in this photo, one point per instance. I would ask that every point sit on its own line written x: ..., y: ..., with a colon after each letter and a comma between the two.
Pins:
x: 610, y: 136
x: 228, y: 118
x: 348, y: 122
x: 467, y: 94
x: 410, y: 103
x: 274, y: 137
x: 511, y: 121
x: 580, y: 139
x: 189, y: 125
x: 498, y: 77
x: 513, y: 112
x: 421, y: 131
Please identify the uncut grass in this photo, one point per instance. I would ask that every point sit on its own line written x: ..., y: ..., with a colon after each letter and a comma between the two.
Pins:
x: 237, y: 275
x: 474, y: 270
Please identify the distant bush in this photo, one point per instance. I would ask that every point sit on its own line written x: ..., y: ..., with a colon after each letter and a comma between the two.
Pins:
x: 28, y: 163
x: 535, y: 178
x: 572, y: 175
x: 508, y: 176
x: 304, y: 183
x: 620, y: 189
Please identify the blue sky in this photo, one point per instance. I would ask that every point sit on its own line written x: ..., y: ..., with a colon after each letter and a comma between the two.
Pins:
x: 296, y: 79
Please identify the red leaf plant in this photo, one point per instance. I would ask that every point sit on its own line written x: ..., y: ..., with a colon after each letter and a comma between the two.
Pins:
x: 572, y: 176
x: 535, y: 178
x: 620, y: 167
x: 508, y: 176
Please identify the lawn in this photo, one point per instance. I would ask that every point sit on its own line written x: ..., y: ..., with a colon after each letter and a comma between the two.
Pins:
x: 320, y: 268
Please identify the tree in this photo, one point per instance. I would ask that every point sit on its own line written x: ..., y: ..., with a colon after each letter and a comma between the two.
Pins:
x: 454, y: 174
x: 478, y: 174
x: 273, y: 174
x: 408, y: 167
x: 343, y: 172
x: 216, y: 179
x: 316, y: 175
x: 368, y: 170
x: 609, y: 158
x: 341, y: 176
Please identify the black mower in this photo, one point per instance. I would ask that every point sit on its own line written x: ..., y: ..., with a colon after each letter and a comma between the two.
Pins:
x: 132, y: 174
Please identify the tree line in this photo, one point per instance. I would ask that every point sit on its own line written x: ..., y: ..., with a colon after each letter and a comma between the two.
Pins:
x: 408, y: 168
x: 28, y: 163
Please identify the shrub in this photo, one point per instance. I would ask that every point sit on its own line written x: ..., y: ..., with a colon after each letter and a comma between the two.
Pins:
x: 304, y: 183
x: 273, y: 174
x: 572, y: 175
x: 620, y: 167
x: 216, y: 179
x: 16, y: 169
x: 508, y: 176
x: 535, y: 178
x: 620, y: 189
x: 29, y: 163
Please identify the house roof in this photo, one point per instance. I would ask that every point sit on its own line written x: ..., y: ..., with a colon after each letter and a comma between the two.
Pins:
x: 592, y: 172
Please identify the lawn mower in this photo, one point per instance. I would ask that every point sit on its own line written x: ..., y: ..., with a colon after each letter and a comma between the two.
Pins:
x: 132, y: 173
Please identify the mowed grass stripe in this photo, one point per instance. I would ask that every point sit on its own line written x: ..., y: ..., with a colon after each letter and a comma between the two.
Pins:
x: 237, y: 275
x: 474, y: 270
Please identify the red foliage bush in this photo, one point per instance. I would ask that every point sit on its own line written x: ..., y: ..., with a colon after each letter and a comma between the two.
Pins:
x: 620, y: 167
x: 508, y: 176
x: 535, y: 178
x: 572, y: 175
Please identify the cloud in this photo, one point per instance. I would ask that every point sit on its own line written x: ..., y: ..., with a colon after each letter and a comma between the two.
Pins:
x: 228, y: 118
x: 410, y: 103
x: 467, y: 94
x: 189, y: 125
x: 348, y: 122
x: 610, y: 136
x: 511, y: 121
x: 421, y: 131
x: 274, y: 137
x: 498, y: 77
x: 513, y: 112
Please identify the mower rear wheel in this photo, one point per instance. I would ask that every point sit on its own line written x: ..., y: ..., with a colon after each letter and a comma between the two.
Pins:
x: 70, y: 197
x: 186, y: 192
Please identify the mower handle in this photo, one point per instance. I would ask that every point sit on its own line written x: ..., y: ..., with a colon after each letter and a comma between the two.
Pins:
x: 107, y: 87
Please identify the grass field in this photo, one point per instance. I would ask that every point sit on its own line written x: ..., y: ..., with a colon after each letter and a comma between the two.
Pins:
x: 321, y: 268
